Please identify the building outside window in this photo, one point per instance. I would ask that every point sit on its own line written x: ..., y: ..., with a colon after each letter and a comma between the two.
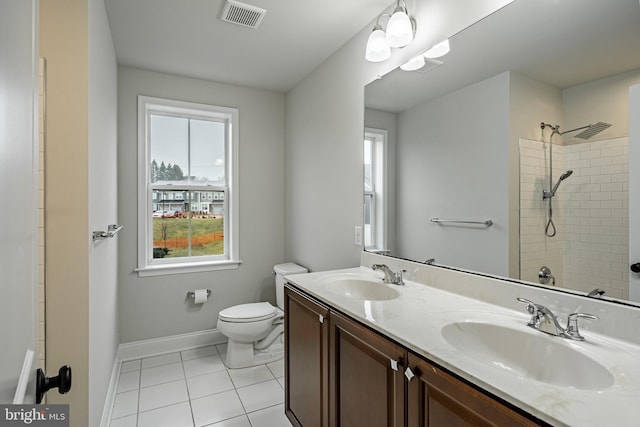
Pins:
x: 187, y: 158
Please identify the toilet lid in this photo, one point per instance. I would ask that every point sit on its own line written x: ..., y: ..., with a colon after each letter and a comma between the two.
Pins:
x: 252, y: 312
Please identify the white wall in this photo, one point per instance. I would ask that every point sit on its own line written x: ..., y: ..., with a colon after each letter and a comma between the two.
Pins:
x: 18, y: 183
x: 324, y: 130
x: 469, y: 129
x: 604, y: 100
x: 155, y: 307
x: 103, y: 208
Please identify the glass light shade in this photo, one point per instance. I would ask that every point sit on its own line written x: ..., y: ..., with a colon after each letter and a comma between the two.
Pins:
x: 377, y: 48
x: 413, y: 64
x: 399, y: 29
x: 441, y: 49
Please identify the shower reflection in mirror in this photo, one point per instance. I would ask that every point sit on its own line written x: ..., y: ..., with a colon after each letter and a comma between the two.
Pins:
x: 587, y: 132
x: 576, y: 224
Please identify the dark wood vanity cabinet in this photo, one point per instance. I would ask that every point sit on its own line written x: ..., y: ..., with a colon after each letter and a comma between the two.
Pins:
x: 438, y: 399
x: 366, y: 381
x: 306, y: 360
x: 340, y: 373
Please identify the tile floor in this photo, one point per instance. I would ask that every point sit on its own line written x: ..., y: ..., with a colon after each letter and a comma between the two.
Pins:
x: 194, y: 388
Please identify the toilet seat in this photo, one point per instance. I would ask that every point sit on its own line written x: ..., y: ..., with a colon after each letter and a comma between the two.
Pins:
x: 247, y: 313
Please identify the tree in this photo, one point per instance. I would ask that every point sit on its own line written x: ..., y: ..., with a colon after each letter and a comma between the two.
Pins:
x: 177, y: 173
x: 162, y: 172
x: 154, y: 170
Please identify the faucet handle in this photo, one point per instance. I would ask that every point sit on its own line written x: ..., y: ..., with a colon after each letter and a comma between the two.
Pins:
x: 399, y: 278
x: 572, y: 325
x: 532, y: 308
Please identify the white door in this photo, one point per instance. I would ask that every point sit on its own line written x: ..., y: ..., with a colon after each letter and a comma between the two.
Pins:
x: 18, y: 192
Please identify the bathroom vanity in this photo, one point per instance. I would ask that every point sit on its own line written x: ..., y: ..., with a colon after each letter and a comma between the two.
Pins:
x: 363, y: 352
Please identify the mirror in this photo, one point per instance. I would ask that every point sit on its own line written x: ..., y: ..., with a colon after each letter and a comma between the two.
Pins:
x: 459, y: 135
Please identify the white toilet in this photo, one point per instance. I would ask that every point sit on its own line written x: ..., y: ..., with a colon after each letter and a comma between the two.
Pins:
x: 256, y: 330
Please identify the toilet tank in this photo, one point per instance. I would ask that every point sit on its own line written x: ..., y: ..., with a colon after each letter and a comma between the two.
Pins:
x: 280, y: 271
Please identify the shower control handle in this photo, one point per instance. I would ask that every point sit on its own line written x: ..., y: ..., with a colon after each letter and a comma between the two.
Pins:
x: 635, y: 267
x: 544, y: 276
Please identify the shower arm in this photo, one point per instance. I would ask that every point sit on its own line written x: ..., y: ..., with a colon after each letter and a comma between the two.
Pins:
x: 572, y: 130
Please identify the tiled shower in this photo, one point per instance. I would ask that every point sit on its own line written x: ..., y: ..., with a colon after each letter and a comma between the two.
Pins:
x: 590, y: 212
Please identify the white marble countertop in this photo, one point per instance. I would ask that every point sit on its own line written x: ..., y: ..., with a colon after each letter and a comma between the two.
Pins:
x: 415, y: 320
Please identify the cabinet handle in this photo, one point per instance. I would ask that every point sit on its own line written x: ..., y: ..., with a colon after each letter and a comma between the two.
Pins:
x: 409, y: 374
x: 321, y: 318
x: 394, y: 364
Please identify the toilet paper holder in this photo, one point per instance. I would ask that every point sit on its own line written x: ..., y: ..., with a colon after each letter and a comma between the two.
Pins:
x: 192, y: 294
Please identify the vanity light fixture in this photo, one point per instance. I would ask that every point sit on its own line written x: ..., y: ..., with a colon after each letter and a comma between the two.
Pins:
x: 377, y: 48
x: 438, y: 50
x: 400, y: 32
x: 418, y: 62
x: 400, y: 29
x: 415, y: 63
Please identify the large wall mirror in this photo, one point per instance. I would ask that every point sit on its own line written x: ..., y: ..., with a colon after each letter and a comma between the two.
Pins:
x: 478, y: 136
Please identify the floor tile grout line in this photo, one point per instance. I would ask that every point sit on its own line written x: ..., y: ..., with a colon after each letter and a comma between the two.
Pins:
x: 189, y: 397
x: 184, y: 372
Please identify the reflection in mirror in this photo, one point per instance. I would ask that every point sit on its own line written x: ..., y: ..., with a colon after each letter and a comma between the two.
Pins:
x: 490, y: 131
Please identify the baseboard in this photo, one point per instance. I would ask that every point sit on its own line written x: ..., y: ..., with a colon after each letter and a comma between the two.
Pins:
x: 154, y: 347
x: 111, y: 393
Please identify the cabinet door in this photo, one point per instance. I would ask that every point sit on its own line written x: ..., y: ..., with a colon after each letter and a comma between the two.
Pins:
x: 306, y: 360
x: 437, y: 399
x: 367, y: 383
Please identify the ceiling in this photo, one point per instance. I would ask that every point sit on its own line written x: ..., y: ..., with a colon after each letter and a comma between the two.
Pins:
x: 186, y: 37
x: 561, y: 43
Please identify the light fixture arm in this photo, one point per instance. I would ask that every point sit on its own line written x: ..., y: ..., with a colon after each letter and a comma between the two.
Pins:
x: 400, y: 30
x: 377, y: 26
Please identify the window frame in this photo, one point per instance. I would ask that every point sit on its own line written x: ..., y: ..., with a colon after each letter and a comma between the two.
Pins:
x: 378, y: 194
x: 147, y: 265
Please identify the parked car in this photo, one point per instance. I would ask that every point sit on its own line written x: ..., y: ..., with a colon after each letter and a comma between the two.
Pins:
x: 165, y: 214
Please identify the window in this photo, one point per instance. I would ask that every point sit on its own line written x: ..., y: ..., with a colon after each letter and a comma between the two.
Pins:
x: 187, y: 171
x: 374, y: 190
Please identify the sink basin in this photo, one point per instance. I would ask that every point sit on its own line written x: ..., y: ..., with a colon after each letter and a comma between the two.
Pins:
x: 528, y: 354
x: 362, y: 289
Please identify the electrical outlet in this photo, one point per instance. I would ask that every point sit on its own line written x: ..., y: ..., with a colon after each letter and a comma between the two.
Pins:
x: 357, y: 235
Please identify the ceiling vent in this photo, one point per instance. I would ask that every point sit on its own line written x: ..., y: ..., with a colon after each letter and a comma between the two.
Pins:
x: 242, y: 14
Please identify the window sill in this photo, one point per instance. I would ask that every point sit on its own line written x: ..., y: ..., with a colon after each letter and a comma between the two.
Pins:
x: 183, y: 268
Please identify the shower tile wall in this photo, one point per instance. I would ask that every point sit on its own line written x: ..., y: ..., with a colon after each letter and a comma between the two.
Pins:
x: 597, y: 235
x: 536, y: 249
x: 590, y: 213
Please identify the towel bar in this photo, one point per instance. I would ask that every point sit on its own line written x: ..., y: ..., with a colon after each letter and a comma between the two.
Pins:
x: 487, y: 223
x: 112, y: 230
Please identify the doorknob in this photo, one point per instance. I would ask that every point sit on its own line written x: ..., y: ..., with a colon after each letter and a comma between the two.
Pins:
x: 635, y: 267
x: 62, y: 382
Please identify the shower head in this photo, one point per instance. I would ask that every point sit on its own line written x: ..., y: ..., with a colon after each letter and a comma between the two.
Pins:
x: 589, y: 130
x: 564, y: 176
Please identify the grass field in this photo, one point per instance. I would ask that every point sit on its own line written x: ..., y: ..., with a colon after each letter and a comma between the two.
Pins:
x: 207, y: 236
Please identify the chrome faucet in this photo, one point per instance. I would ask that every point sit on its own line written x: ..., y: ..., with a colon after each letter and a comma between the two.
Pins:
x: 390, y: 276
x: 596, y: 293
x: 543, y: 320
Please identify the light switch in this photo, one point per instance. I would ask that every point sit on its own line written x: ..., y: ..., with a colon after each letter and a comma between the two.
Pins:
x: 357, y: 235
